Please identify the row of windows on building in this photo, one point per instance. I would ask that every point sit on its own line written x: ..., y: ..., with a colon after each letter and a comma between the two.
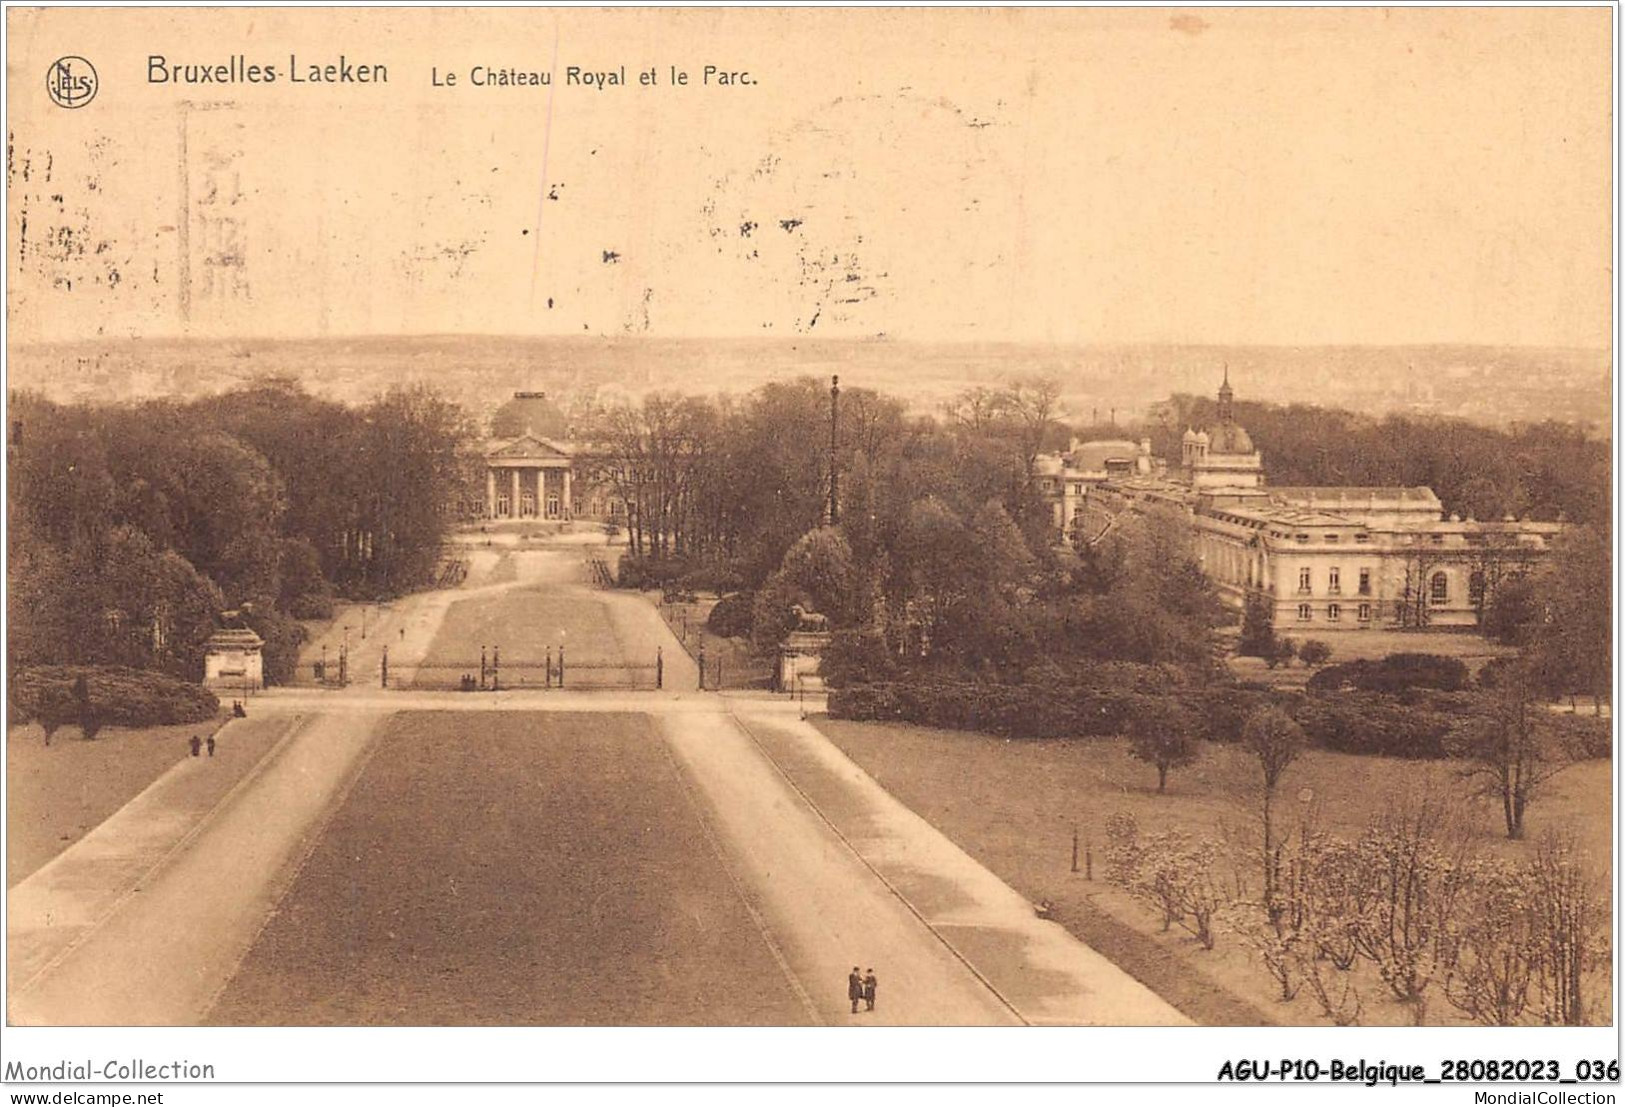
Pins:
x: 1334, y: 612
x: 1361, y: 537
x: 1438, y: 584
x: 1334, y: 580
x: 1438, y: 593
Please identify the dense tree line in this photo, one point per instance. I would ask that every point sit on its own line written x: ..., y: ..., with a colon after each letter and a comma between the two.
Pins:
x: 133, y: 526
x: 941, y: 555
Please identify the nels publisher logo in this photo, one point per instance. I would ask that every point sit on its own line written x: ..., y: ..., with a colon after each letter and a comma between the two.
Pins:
x: 71, y: 81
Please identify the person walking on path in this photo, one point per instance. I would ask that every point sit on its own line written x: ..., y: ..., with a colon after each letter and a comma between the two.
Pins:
x: 854, y: 988
x: 197, y: 744
x: 211, y: 745
x: 869, y: 989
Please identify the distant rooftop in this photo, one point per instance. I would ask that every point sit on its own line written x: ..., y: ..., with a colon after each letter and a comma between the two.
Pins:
x: 529, y: 413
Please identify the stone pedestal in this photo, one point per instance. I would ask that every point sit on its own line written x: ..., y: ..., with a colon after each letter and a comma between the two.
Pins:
x: 232, y: 661
x: 800, y: 660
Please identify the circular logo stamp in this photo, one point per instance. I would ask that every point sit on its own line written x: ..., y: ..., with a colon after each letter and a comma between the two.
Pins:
x: 71, y: 81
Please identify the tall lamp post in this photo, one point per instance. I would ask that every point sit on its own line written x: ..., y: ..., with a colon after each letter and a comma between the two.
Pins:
x: 834, y: 439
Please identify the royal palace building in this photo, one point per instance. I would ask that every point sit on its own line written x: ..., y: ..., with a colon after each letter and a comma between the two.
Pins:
x: 1329, y: 558
x: 533, y: 469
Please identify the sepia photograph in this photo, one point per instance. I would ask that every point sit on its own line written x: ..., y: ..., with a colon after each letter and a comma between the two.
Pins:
x: 581, y: 531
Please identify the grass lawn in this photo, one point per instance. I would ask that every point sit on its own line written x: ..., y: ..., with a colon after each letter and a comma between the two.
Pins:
x: 1013, y: 806
x: 56, y: 794
x: 525, y: 623
x: 513, y: 869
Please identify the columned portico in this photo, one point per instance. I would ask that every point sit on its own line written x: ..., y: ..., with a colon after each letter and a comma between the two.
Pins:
x: 536, y: 475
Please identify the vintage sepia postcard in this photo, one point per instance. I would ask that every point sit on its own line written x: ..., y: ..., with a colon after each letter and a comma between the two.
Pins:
x: 1089, y: 518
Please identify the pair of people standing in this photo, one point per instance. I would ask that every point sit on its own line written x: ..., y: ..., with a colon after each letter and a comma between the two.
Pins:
x: 197, y: 744
x: 861, y: 988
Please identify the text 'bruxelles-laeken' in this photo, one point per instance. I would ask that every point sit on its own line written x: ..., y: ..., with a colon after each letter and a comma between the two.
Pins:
x: 238, y: 70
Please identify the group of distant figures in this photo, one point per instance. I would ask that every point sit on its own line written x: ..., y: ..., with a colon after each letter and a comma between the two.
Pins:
x: 238, y: 711
x: 861, y: 989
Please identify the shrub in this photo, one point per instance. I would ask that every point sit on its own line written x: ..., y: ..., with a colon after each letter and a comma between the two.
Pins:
x: 731, y: 617
x: 1222, y: 710
x: 1281, y: 653
x: 855, y: 657
x: 1397, y: 672
x: 1122, y: 852
x: 117, y: 696
x: 1582, y: 737
x: 1372, y: 723
x: 1257, y: 628
x: 649, y: 571
x: 1314, y: 653
x: 716, y: 577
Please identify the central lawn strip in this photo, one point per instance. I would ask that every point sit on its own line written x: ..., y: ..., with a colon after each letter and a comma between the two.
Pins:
x: 524, y: 624
x: 513, y: 869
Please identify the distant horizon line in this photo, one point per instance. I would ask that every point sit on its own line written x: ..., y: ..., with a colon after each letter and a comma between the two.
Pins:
x: 443, y: 336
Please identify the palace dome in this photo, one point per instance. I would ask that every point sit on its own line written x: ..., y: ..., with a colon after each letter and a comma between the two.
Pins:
x: 1230, y: 438
x: 529, y: 413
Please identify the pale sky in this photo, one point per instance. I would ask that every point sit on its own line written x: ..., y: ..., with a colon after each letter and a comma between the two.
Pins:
x: 1213, y: 176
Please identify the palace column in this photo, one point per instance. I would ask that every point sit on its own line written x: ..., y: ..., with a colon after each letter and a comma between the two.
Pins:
x: 490, y: 492
x: 564, y: 500
x: 513, y: 500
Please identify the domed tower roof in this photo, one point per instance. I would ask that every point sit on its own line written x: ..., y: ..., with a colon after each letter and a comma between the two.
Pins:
x: 1190, y: 435
x: 529, y: 413
x: 1230, y: 438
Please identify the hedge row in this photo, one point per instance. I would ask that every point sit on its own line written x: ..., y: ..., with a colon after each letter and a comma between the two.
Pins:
x: 1415, y: 727
x: 118, y: 696
x: 1028, y: 711
x: 1398, y: 672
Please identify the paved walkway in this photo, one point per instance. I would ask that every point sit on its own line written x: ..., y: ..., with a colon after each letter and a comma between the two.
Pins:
x: 61, y: 902
x: 169, y: 944
x: 1037, y: 968
x: 825, y: 910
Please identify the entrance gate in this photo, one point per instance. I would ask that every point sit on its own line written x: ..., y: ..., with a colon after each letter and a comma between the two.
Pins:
x: 493, y: 671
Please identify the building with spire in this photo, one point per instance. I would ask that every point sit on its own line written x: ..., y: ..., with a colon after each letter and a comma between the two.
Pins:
x: 1324, y: 558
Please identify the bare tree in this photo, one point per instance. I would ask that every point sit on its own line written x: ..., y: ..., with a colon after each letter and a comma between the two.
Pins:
x: 1276, y: 740
x: 1032, y: 404
x: 1415, y: 857
x: 1510, y: 753
x: 1415, y: 602
x: 1497, y: 951
x: 1573, y: 929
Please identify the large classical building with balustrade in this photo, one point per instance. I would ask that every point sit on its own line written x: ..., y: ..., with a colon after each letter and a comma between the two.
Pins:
x: 534, y: 469
x: 1327, y: 558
